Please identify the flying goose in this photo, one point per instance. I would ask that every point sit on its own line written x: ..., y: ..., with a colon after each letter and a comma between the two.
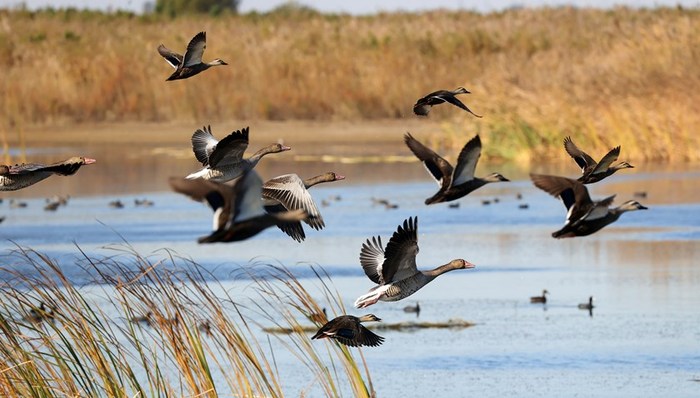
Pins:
x: 238, y: 209
x: 540, y: 299
x: 583, y: 216
x: 191, y: 64
x: 592, y: 171
x: 289, y: 192
x: 348, y: 330
x: 393, y: 268
x: 223, y: 160
x: 423, y: 105
x: 23, y: 175
x: 454, y: 182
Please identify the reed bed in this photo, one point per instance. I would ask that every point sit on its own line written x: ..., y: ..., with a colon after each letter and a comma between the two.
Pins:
x: 607, y: 77
x: 162, y: 326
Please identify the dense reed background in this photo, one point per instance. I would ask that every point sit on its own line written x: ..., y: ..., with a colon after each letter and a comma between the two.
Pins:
x: 609, y: 77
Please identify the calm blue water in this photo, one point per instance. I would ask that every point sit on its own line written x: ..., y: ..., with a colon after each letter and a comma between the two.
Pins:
x: 643, y: 338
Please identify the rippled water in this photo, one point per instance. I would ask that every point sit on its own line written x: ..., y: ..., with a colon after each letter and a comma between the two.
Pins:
x: 641, y: 340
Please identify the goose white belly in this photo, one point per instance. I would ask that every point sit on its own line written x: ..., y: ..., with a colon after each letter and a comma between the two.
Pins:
x: 394, y: 291
x: 219, y: 174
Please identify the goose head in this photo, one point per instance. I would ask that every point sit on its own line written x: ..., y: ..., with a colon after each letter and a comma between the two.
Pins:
x: 460, y: 264
x: 276, y: 148
x: 217, y: 62
x: 631, y: 205
x: 81, y: 160
x: 333, y: 176
x: 369, y: 318
x: 494, y: 177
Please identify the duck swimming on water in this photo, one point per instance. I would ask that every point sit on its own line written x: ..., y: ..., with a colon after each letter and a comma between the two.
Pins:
x: 540, y: 299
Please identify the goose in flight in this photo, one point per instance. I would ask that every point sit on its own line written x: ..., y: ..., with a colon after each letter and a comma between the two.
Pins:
x: 594, y: 171
x: 394, y: 269
x: 23, y: 175
x: 290, y: 192
x: 454, y: 182
x: 348, y: 330
x: 584, y: 216
x: 423, y: 105
x: 238, y: 209
x: 191, y: 64
x: 223, y: 160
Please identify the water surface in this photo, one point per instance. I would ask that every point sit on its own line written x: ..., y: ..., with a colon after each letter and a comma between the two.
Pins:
x: 641, y: 340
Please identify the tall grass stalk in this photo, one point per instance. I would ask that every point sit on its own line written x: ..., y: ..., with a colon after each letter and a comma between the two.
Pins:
x: 200, y: 338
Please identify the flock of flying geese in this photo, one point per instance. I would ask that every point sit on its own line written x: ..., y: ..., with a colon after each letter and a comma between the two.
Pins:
x: 247, y: 205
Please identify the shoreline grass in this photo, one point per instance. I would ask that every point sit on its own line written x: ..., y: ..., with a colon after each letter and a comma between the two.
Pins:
x: 90, y: 348
x: 607, y: 77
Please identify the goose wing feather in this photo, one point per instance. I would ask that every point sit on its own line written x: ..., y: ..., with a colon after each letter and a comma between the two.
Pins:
x: 466, y: 162
x: 248, y: 193
x: 400, y: 255
x: 230, y: 149
x: 572, y: 193
x: 606, y: 161
x: 203, y: 144
x: 289, y: 190
x: 173, y: 58
x: 371, y: 259
x: 439, y: 168
x: 195, y: 50
x: 584, y: 161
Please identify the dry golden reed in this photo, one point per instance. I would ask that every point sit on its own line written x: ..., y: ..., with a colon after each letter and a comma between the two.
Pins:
x: 163, y: 326
x: 606, y: 77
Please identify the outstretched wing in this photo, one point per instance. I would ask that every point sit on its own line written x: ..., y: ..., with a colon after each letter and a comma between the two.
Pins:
x: 466, y: 162
x: 230, y: 149
x: 456, y: 102
x: 573, y: 193
x: 219, y: 197
x: 289, y: 190
x: 400, y: 256
x: 584, y: 161
x: 173, y: 58
x: 439, y: 168
x: 26, y: 168
x: 371, y: 259
x: 294, y: 229
x: 195, y: 50
x: 358, y: 338
x: 606, y: 161
x: 203, y: 144
x: 248, y: 193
